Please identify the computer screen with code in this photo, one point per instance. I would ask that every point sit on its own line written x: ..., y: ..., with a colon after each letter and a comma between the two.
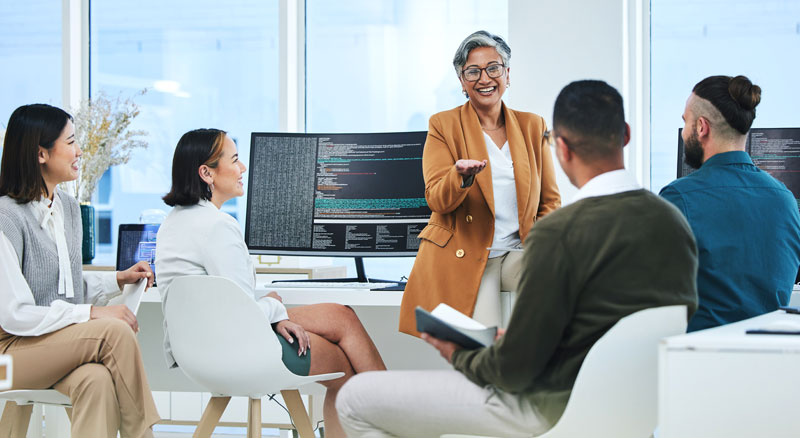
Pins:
x: 773, y: 150
x: 336, y: 194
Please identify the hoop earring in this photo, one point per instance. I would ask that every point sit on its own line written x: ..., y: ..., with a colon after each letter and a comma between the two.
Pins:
x: 508, y: 84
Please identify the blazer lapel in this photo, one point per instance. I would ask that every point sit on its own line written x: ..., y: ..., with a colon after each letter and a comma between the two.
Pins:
x: 476, y: 150
x: 522, y: 165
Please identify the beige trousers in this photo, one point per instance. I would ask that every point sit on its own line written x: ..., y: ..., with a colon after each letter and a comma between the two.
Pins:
x: 427, y: 404
x: 501, y: 274
x: 99, y: 366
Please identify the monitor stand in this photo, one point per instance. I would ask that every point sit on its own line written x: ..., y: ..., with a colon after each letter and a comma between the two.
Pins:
x: 361, y: 277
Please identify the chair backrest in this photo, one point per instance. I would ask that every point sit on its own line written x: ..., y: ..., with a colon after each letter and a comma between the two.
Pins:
x: 222, y: 340
x: 615, y: 393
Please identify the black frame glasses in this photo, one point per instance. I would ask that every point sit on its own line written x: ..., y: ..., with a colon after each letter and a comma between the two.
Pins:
x: 493, y: 71
x: 550, y: 137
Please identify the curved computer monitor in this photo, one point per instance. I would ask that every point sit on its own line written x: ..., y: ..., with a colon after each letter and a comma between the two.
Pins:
x: 348, y: 195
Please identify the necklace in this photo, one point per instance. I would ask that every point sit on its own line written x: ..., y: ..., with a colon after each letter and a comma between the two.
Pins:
x: 494, y: 129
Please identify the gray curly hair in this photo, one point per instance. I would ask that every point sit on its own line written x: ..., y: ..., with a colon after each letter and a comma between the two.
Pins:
x: 480, y: 38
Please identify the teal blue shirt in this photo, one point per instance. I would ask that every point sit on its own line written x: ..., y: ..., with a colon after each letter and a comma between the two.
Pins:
x: 747, y: 228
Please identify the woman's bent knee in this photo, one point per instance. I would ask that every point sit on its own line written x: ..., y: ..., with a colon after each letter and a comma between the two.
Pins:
x: 115, y: 330
x: 344, y: 315
x: 91, y: 378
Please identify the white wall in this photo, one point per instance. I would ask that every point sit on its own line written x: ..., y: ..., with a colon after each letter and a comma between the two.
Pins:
x: 556, y: 42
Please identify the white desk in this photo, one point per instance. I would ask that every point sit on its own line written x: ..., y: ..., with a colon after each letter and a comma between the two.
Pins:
x: 722, y: 382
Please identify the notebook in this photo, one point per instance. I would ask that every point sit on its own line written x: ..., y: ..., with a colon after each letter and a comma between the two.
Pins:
x: 131, y: 295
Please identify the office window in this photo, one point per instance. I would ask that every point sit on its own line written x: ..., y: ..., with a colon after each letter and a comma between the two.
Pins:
x: 387, y: 66
x: 693, y: 39
x: 205, y: 64
x: 30, y: 47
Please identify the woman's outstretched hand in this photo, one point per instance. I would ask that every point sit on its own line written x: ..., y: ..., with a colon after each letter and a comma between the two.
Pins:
x: 469, y: 167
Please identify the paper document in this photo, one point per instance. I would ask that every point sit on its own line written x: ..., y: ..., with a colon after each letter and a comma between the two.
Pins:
x: 451, y: 325
x: 131, y: 295
x: 509, y: 248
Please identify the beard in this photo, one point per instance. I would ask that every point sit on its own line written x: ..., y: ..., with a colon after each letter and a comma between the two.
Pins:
x: 693, y: 151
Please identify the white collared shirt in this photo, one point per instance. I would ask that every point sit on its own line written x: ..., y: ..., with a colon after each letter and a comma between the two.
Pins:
x: 504, y: 191
x: 19, y: 314
x: 202, y: 240
x: 609, y: 183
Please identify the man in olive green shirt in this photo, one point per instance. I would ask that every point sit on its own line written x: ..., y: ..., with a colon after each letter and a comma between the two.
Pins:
x: 614, y: 250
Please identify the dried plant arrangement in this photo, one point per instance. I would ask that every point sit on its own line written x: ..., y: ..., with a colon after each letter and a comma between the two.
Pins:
x: 102, y: 131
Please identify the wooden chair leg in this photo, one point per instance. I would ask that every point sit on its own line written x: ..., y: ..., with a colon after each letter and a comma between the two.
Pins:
x: 216, y: 406
x: 254, y: 418
x: 298, y: 413
x: 15, y: 420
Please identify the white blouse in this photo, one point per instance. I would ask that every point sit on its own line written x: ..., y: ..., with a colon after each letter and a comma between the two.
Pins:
x: 504, y: 190
x: 202, y: 240
x: 19, y: 314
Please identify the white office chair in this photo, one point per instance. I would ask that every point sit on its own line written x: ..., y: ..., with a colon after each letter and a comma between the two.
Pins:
x: 223, y: 342
x: 14, y: 422
x: 615, y: 395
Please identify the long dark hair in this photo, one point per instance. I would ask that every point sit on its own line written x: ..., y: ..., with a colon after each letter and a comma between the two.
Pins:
x: 194, y: 149
x: 29, y: 127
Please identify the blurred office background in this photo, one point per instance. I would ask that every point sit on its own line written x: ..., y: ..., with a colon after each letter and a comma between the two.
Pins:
x: 377, y: 65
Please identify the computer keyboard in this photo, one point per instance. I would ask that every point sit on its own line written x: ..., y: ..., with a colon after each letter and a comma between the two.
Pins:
x: 330, y: 285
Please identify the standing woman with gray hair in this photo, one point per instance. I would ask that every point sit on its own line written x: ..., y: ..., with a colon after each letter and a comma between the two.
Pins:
x: 488, y: 178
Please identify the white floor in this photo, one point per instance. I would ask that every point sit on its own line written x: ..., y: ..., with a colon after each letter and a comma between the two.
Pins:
x: 168, y: 431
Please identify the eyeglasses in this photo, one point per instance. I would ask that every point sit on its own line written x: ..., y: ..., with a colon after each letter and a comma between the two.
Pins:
x: 550, y: 137
x: 472, y: 74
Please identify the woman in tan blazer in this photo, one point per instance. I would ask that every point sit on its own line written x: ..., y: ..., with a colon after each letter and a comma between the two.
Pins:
x: 488, y: 177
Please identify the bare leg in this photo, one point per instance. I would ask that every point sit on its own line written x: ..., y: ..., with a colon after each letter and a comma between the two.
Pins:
x: 339, y: 325
x: 327, y: 358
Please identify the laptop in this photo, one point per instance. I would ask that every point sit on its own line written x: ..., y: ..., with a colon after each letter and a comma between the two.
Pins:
x: 136, y: 242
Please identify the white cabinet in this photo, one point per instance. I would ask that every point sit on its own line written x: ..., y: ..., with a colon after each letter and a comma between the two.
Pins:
x: 723, y: 382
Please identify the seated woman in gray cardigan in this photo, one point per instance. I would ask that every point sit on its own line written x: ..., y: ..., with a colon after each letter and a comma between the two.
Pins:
x: 52, y: 321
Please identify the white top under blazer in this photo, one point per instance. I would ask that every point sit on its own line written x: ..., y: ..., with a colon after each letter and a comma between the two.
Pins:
x: 202, y: 240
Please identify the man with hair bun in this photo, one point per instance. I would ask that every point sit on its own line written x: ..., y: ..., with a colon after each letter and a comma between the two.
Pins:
x: 746, y: 222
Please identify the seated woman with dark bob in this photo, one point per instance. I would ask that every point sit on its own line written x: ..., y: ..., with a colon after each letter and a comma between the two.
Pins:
x: 199, y: 239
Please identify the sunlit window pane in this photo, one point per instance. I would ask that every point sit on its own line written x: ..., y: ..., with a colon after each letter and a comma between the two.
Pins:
x: 693, y: 39
x: 205, y: 64
x: 30, y: 49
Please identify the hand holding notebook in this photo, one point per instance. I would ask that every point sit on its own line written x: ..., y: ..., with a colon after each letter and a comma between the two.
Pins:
x: 448, y: 324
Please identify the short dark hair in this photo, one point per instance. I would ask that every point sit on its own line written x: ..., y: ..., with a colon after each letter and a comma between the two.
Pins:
x: 590, y: 117
x: 735, y: 98
x: 194, y: 149
x: 29, y: 127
